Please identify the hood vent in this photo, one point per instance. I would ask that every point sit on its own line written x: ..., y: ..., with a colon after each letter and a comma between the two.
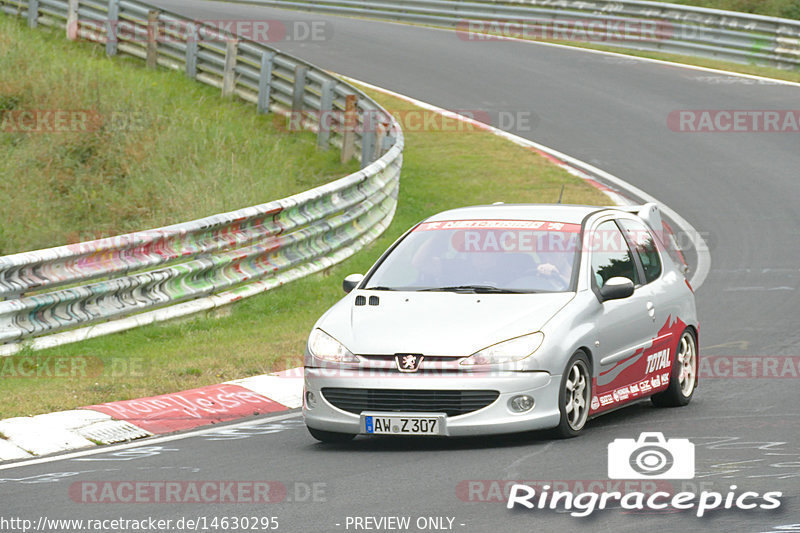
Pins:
x: 360, y: 300
x: 373, y: 300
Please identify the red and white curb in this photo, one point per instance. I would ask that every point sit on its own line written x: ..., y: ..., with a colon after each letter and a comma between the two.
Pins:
x: 108, y: 423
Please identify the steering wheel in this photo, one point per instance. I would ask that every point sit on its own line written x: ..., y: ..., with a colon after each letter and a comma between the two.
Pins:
x: 554, y: 279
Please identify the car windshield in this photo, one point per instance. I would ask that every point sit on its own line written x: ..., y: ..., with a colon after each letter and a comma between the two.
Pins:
x: 492, y: 256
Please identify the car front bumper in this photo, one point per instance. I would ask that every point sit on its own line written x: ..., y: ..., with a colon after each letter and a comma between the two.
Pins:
x: 495, y: 418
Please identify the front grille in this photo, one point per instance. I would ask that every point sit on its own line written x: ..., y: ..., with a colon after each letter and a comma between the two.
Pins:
x: 452, y: 402
x: 428, y: 358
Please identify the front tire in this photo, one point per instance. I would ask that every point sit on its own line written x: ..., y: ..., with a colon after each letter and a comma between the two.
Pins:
x: 683, y: 377
x: 330, y: 436
x: 574, y: 396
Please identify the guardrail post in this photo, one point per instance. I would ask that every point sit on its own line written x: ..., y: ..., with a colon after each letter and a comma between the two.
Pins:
x: 265, y: 81
x: 191, y: 51
x: 388, y: 142
x: 325, y: 119
x: 152, y: 38
x: 296, y: 119
x: 349, y: 129
x: 379, y: 136
x: 33, y: 13
x: 72, y: 19
x: 229, y: 71
x: 111, y: 28
x: 367, y: 145
x: 369, y: 131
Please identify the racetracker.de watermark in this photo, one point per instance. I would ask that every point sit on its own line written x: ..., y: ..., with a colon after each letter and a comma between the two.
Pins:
x: 71, y: 121
x: 595, y: 30
x: 69, y: 367
x: 208, y: 30
x: 749, y: 366
x: 199, y: 491
x: 498, y: 490
x: 734, y: 121
x: 414, y: 120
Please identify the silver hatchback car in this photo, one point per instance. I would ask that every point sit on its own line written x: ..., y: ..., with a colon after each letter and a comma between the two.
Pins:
x: 505, y: 318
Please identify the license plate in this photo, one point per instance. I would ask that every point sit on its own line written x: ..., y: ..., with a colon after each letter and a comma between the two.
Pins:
x: 380, y: 424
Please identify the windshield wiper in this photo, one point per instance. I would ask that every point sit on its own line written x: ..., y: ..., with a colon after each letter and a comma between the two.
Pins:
x: 380, y: 288
x: 475, y: 288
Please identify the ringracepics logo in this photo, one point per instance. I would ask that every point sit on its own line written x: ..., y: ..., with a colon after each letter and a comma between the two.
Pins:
x: 651, y: 456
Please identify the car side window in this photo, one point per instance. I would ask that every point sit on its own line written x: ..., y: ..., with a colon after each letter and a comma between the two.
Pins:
x: 611, y: 256
x: 645, y: 245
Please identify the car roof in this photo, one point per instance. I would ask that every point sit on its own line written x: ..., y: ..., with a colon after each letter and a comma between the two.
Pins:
x: 571, y: 214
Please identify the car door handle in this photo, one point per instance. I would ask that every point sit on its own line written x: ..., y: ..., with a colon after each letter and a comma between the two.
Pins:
x: 651, y: 310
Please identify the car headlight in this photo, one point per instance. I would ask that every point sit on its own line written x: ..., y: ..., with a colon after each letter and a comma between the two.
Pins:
x: 324, y: 347
x: 508, y: 351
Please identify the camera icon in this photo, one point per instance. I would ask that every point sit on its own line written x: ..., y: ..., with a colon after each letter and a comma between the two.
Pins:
x: 651, y: 457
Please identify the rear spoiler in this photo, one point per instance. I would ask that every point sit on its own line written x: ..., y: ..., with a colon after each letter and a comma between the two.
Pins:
x: 648, y: 212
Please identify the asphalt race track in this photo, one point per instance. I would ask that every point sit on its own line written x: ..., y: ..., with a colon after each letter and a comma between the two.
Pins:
x: 740, y: 190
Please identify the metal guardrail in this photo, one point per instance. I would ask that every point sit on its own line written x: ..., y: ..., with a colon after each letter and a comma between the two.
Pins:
x: 68, y: 287
x: 635, y: 24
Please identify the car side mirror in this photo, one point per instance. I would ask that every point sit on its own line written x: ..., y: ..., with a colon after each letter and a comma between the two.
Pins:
x: 616, y: 288
x: 351, y: 282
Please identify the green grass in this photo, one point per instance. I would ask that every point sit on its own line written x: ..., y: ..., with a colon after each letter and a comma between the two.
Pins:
x: 164, y: 149
x: 442, y: 169
x: 774, y: 8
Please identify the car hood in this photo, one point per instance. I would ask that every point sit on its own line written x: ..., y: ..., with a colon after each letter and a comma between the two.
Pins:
x: 437, y: 323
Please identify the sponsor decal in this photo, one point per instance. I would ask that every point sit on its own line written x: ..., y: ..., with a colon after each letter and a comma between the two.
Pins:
x: 499, y: 224
x: 658, y: 361
x: 621, y: 394
x: 626, y: 376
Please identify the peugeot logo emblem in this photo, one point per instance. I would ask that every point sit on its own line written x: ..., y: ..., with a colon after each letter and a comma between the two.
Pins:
x: 408, y: 362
